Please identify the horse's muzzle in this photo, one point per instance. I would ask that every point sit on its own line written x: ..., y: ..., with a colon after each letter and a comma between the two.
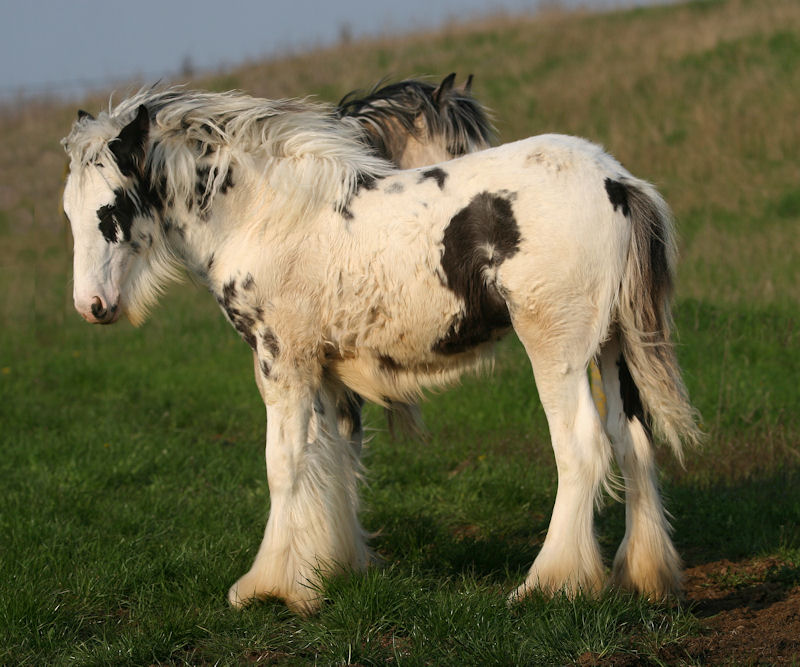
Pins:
x: 102, y: 313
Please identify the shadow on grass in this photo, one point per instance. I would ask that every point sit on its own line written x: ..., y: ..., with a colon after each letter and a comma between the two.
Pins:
x: 754, y: 516
x: 425, y: 543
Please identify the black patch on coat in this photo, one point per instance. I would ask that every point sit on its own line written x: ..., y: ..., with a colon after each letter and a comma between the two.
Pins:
x: 228, y: 292
x: 202, y: 194
x: 159, y: 191
x: 243, y: 321
x: 108, y: 225
x: 117, y: 218
x: 387, y: 363
x: 618, y: 196
x: 153, y: 197
x: 365, y: 181
x: 244, y: 324
x: 210, y: 262
x: 249, y: 283
x: 139, y: 198
x: 436, y: 173
x: 631, y: 401
x: 395, y: 188
x: 486, y: 222
x: 270, y: 342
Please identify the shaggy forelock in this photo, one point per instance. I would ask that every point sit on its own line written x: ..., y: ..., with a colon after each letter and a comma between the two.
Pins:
x: 88, y: 140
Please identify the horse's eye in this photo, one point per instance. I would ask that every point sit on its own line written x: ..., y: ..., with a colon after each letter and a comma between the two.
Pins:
x: 107, y: 214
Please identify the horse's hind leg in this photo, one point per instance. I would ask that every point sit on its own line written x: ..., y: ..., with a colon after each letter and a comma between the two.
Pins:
x: 646, y: 561
x: 570, y: 557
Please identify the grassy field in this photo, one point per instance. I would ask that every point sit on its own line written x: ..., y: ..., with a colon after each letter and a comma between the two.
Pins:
x: 133, y: 481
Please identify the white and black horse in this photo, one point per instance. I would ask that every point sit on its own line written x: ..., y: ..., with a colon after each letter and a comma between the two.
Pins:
x: 341, y: 271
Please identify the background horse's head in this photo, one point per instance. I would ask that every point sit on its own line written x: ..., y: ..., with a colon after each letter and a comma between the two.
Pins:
x: 413, y: 123
x: 109, y: 205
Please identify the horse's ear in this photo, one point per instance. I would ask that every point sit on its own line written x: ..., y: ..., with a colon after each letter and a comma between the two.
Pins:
x: 468, y: 85
x: 128, y: 147
x: 440, y: 94
x: 84, y: 114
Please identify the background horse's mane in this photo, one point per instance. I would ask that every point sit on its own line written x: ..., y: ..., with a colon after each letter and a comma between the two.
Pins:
x: 444, y: 110
x: 308, y: 157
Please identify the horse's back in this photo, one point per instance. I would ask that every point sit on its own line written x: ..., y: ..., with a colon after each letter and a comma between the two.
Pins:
x: 557, y: 192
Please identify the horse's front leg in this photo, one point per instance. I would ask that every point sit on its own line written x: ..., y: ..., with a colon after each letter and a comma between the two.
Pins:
x: 348, y: 409
x: 313, y: 527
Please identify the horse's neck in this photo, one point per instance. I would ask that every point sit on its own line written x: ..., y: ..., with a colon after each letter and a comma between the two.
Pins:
x: 234, y: 235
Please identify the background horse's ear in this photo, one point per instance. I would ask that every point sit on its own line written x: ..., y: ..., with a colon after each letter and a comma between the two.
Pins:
x: 84, y: 114
x: 128, y: 147
x: 441, y: 91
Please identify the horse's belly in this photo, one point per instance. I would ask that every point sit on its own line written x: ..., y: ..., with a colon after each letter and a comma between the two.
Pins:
x: 382, y: 378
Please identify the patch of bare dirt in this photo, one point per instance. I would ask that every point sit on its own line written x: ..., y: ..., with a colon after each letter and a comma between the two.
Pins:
x: 750, y: 612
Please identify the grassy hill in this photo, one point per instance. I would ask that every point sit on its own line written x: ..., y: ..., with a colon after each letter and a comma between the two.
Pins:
x: 119, y: 442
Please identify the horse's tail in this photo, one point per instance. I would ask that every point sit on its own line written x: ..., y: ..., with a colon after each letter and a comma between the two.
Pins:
x: 650, y: 377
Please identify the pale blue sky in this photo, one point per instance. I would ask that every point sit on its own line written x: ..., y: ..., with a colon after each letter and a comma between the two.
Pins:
x: 65, y: 46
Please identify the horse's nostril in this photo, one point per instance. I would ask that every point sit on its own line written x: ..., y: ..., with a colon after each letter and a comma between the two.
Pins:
x: 98, y: 308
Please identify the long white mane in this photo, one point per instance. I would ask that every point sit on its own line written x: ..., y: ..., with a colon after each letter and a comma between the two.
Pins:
x: 307, y: 157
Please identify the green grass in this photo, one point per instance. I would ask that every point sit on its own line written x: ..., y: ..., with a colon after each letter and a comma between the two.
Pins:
x: 134, y: 489
x: 134, y: 495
